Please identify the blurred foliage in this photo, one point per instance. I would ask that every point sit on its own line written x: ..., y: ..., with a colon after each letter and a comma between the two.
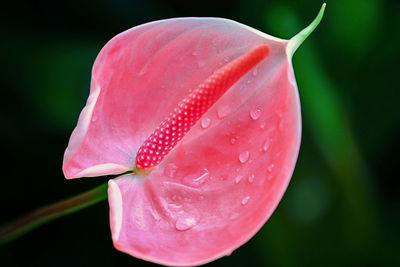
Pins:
x: 342, y: 206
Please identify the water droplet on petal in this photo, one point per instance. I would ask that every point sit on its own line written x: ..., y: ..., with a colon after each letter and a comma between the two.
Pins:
x: 266, y: 145
x: 94, y: 118
x: 223, y: 111
x: 255, y: 113
x: 238, y: 179
x: 270, y: 167
x: 251, y: 178
x: 185, y: 223
x: 255, y: 71
x: 205, y: 122
x: 262, y: 125
x: 233, y: 141
x: 245, y: 200
x: 197, y: 180
x: 244, y: 156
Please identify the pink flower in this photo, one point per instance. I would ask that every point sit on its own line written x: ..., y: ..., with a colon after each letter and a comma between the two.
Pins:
x: 216, y: 187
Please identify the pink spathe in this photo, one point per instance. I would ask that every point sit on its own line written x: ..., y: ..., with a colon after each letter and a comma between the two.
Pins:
x: 190, y: 209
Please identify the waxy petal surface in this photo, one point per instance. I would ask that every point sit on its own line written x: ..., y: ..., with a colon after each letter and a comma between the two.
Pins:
x: 138, y: 79
x: 218, y: 186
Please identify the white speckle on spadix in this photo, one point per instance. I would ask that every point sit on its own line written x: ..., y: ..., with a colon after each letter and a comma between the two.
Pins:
x: 205, y: 123
x: 185, y: 223
x: 255, y: 113
x: 244, y: 156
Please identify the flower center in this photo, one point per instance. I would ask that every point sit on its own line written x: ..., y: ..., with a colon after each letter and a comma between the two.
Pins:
x: 190, y: 109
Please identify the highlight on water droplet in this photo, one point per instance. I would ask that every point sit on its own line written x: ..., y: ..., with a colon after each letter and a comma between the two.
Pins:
x: 255, y: 113
x: 245, y: 200
x: 205, y: 122
x: 262, y: 125
x: 185, y: 223
x: 233, y: 140
x: 255, y: 71
x: 244, y: 156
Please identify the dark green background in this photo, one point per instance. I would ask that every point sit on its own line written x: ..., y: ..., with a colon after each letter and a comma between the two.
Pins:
x: 342, y: 206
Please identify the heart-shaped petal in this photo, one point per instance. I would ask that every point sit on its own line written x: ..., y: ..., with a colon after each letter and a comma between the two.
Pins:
x: 216, y: 187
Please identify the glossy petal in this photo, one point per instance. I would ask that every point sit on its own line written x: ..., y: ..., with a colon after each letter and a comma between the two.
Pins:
x: 140, y: 76
x: 220, y: 184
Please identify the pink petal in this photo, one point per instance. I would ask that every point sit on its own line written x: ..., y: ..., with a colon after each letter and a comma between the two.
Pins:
x: 139, y: 77
x: 221, y: 183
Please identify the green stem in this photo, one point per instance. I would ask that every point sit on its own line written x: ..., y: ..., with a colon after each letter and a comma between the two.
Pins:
x: 30, y: 221
x: 299, y: 38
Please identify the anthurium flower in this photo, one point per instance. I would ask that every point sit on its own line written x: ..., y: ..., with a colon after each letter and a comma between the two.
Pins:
x: 205, y: 112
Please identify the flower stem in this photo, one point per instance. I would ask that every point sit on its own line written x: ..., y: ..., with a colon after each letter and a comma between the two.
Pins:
x: 36, y: 218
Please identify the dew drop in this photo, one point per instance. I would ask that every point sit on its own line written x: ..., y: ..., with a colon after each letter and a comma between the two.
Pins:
x: 244, y: 156
x: 262, y: 125
x: 266, y: 145
x: 185, y: 223
x: 251, y: 178
x: 223, y: 111
x: 255, y: 71
x: 238, y: 179
x: 170, y: 170
x: 233, y: 140
x: 270, y: 167
x: 255, y: 113
x: 94, y: 118
x: 205, y: 122
x: 245, y: 200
